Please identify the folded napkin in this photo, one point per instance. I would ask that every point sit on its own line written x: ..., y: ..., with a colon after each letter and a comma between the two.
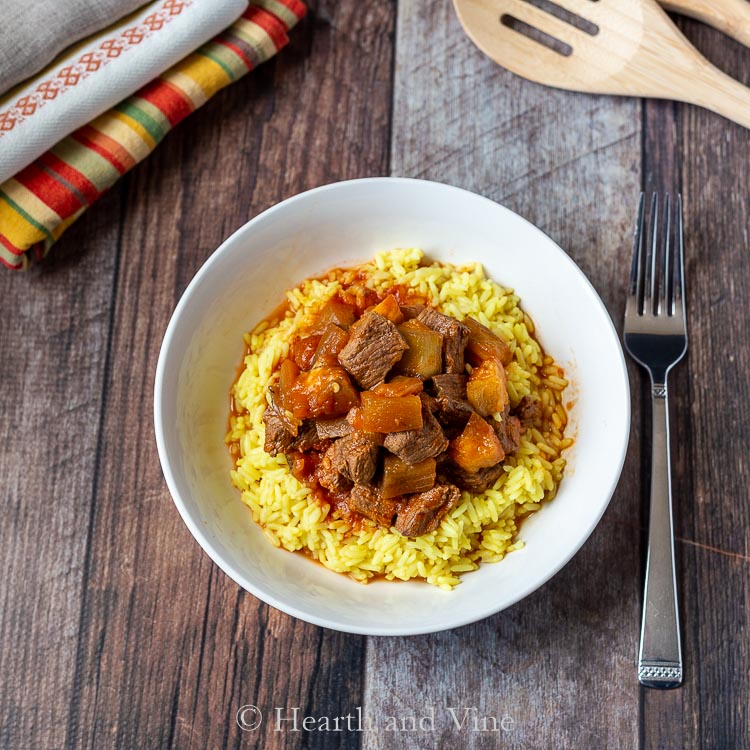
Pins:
x: 33, y: 33
x: 45, y: 197
x: 102, y: 71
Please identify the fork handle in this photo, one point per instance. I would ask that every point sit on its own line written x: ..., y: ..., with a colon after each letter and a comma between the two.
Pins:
x: 660, y: 658
x: 730, y: 16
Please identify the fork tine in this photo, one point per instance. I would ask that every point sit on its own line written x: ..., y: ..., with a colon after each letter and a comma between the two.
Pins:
x: 663, y: 300
x: 650, y: 266
x: 679, y: 265
x: 635, y: 263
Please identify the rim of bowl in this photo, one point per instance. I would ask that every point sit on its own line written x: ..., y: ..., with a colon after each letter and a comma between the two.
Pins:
x: 266, y: 596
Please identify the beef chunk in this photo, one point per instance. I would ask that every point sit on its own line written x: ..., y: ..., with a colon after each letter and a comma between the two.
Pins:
x: 509, y: 433
x: 328, y: 475
x: 451, y: 397
x: 307, y: 436
x: 478, y: 481
x: 284, y: 434
x: 411, y: 311
x: 281, y: 431
x: 429, y: 402
x: 414, y: 446
x: 367, y: 501
x: 355, y: 456
x: 529, y: 410
x: 333, y: 428
x: 278, y: 438
x: 422, y: 513
x: 375, y: 345
x: 455, y: 337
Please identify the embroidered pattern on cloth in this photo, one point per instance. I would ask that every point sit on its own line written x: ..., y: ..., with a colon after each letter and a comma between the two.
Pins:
x: 89, y: 63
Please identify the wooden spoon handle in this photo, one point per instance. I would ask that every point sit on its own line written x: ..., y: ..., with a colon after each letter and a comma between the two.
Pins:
x: 730, y: 16
x: 715, y: 90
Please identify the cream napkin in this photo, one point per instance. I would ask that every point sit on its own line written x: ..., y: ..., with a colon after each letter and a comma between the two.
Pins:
x: 102, y: 71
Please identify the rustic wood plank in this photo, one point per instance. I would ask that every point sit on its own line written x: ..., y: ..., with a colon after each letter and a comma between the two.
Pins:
x: 119, y: 632
x: 570, y: 164
x: 706, y: 156
x: 171, y: 648
x: 53, y: 342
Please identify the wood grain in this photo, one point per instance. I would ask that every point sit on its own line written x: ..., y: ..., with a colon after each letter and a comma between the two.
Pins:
x: 119, y: 632
x: 560, y: 663
x: 732, y: 17
x: 691, y: 150
x: 54, y: 345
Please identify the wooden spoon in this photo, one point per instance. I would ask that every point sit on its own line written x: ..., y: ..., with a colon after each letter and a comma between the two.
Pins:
x: 627, y: 47
x: 730, y: 16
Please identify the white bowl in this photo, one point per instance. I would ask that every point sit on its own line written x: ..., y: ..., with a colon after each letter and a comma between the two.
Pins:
x: 342, y: 224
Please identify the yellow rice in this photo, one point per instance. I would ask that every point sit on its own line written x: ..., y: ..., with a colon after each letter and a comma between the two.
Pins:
x: 483, y: 527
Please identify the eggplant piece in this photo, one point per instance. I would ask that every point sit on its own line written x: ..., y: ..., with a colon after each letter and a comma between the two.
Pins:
x: 400, y: 478
x: 487, y: 388
x: 424, y: 357
x: 332, y: 340
x: 337, y: 312
x: 483, y: 344
x: 303, y: 350
x: 288, y: 374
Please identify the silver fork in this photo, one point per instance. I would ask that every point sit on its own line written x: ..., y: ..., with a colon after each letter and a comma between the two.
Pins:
x: 656, y: 337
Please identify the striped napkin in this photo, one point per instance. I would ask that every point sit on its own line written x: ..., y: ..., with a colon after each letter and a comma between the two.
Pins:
x: 45, y: 197
x: 101, y: 71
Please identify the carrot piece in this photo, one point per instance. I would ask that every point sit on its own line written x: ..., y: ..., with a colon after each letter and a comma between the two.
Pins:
x: 477, y: 447
x: 322, y: 392
x: 354, y: 417
x: 390, y: 414
x: 389, y: 308
x: 399, y: 386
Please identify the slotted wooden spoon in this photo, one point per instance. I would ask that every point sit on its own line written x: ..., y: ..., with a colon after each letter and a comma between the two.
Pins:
x: 730, y: 16
x: 627, y: 47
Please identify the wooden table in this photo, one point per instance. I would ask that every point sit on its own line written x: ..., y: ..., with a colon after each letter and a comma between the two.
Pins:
x: 118, y: 631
